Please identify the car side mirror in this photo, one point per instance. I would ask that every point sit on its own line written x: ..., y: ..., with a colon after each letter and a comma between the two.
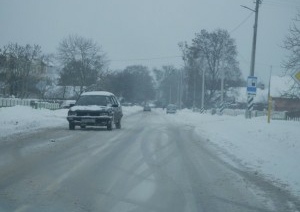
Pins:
x: 72, y: 104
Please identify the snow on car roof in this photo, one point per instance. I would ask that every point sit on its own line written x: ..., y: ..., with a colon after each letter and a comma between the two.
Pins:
x: 98, y: 93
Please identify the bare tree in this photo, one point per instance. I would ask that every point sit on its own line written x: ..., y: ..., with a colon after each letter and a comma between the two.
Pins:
x: 134, y: 84
x: 82, y: 60
x: 292, y: 44
x: 22, y: 67
x: 292, y: 62
x: 213, y: 53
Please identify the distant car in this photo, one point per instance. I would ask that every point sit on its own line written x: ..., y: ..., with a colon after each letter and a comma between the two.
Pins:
x: 127, y: 104
x: 147, y: 108
x: 171, y: 108
x: 67, y: 103
x: 95, y: 108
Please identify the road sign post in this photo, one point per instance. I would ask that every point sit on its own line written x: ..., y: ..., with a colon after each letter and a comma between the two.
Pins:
x: 251, y: 85
x: 251, y: 92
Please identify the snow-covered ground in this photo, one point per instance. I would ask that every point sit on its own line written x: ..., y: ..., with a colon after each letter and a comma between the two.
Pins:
x: 271, y: 150
x: 21, y: 119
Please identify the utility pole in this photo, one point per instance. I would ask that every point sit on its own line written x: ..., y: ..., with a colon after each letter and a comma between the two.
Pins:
x: 203, y: 93
x: 252, y: 67
x: 180, y: 88
x: 269, y: 97
x: 170, y: 94
x: 254, y: 38
x: 222, y: 105
x: 194, y: 96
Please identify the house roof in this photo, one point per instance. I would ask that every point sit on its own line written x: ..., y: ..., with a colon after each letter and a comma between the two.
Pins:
x: 240, y: 94
x: 281, y: 85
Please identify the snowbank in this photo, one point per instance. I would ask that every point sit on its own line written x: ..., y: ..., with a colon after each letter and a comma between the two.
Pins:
x: 21, y: 119
x: 26, y: 119
x: 272, y: 150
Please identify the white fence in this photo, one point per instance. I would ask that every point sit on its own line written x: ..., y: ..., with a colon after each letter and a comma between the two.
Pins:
x: 275, y: 115
x: 233, y: 112
x: 293, y: 118
x: 10, y: 102
x: 238, y: 112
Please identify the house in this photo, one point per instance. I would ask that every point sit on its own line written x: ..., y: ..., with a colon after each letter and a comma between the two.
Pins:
x: 284, y: 91
x: 286, y: 104
x: 285, y: 94
x: 239, y: 97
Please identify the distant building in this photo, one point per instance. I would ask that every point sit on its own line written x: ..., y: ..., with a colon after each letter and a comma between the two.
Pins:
x: 283, y: 97
x: 286, y: 104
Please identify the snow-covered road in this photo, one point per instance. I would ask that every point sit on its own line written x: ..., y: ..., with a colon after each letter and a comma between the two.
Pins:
x: 263, y: 151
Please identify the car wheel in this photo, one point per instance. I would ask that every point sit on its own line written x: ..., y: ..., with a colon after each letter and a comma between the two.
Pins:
x: 71, y: 126
x: 109, y: 126
x: 118, y: 124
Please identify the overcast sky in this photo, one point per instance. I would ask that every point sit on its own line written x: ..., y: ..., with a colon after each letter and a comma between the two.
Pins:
x: 147, y: 32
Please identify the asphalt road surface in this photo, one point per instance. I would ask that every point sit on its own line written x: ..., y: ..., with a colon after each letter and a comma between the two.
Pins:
x: 152, y: 164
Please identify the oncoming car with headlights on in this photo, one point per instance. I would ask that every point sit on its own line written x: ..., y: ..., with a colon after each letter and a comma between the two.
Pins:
x: 95, y: 108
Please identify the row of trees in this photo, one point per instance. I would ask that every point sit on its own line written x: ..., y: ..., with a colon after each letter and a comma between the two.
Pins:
x: 214, y: 53
x: 211, y: 57
x: 22, y: 68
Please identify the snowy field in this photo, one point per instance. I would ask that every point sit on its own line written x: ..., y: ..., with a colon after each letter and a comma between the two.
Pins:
x: 271, y: 150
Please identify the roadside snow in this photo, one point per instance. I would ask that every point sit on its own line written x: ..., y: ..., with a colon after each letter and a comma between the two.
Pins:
x: 21, y: 119
x: 272, y: 150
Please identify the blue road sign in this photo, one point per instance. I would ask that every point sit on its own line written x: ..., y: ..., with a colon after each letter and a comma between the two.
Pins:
x: 251, y: 85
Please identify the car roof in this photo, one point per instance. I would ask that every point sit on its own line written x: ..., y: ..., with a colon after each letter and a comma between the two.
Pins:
x: 97, y: 93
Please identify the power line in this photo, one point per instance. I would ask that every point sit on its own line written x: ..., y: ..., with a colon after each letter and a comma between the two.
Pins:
x: 238, y: 26
x: 296, y: 2
x: 287, y: 4
x: 170, y: 57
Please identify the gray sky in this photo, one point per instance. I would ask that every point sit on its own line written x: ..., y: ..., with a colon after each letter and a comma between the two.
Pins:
x: 147, y: 32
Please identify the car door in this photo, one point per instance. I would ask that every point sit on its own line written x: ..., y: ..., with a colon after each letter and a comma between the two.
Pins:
x: 117, y: 108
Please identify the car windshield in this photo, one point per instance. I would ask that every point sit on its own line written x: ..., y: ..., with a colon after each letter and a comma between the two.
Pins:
x: 92, y: 100
x: 171, y: 107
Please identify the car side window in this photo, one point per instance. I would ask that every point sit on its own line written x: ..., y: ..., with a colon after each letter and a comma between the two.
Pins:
x: 114, y: 100
x: 117, y: 102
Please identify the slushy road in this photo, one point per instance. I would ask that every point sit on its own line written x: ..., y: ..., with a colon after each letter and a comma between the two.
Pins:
x: 152, y: 164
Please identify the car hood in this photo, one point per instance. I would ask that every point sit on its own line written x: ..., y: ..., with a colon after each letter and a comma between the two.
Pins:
x: 90, y: 108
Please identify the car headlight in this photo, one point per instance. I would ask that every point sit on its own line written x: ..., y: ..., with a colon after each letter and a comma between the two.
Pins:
x: 104, y: 114
x: 110, y: 112
x: 71, y: 113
